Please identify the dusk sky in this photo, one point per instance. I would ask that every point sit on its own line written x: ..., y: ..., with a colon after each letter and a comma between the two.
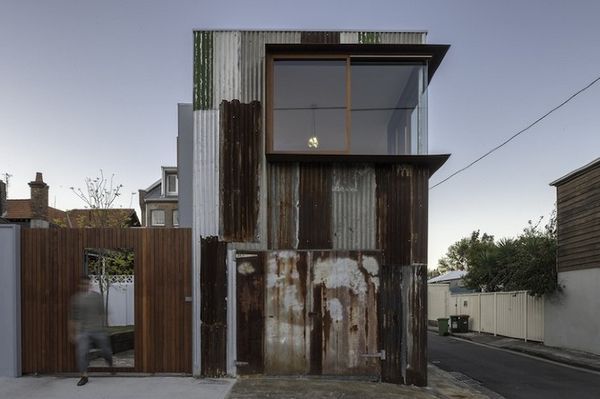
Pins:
x: 89, y: 85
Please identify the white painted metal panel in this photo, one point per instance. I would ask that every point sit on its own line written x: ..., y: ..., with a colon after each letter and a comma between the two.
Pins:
x: 437, y: 301
x: 487, y: 313
x: 226, y: 67
x: 206, y: 174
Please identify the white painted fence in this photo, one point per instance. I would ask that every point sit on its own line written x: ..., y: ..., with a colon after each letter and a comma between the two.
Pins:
x: 512, y: 314
x: 120, y: 300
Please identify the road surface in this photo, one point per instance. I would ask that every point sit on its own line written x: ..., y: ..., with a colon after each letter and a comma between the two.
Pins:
x: 509, y: 374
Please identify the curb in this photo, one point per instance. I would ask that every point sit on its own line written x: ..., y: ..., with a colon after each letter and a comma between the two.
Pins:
x: 557, y: 359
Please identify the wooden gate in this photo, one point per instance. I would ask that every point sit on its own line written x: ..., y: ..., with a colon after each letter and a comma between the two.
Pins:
x: 308, y: 312
x: 51, y: 266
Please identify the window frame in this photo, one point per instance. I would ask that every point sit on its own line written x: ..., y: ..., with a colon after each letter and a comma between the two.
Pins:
x: 152, y: 219
x: 348, y: 56
x: 167, y: 192
x: 173, y: 212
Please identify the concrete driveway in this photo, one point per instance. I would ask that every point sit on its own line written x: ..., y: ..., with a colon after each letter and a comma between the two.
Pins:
x: 114, y: 387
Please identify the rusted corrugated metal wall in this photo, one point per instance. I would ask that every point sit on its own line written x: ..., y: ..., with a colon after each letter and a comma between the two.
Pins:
x: 314, y: 207
x: 250, y: 282
x: 213, y: 311
x: 283, y: 205
x: 402, y: 196
x: 240, y: 168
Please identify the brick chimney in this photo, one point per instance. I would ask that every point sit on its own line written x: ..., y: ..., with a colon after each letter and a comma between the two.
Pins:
x: 2, y: 198
x: 39, y: 202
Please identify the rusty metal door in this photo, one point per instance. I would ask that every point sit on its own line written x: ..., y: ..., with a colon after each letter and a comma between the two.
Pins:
x: 320, y: 313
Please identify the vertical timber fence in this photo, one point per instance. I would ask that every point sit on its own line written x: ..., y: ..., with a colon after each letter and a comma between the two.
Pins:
x: 513, y: 314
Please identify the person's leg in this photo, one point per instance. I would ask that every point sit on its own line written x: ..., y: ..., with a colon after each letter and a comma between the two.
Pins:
x: 83, y: 347
x: 103, y: 343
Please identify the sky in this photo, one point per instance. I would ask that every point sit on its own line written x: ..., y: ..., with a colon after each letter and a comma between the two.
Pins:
x: 88, y: 85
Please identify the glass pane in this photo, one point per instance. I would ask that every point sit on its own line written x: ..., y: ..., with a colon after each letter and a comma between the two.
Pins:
x: 171, y: 183
x: 175, y: 217
x: 158, y: 217
x: 388, y: 100
x: 309, y: 105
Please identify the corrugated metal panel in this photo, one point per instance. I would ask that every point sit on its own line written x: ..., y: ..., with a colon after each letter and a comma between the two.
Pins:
x: 250, y: 300
x: 403, y: 37
x: 349, y: 287
x: 488, y: 315
x: 283, y: 205
x: 414, y: 319
x: 510, y: 314
x: 206, y: 174
x: 203, y: 77
x: 287, y: 329
x: 213, y: 311
x: 354, y: 218
x: 535, y: 318
x: 226, y: 67
x: 402, y: 195
x: 239, y: 170
x: 437, y: 301
x: 314, y: 207
x: 391, y: 328
x: 348, y: 37
x: 320, y: 37
x: 252, y: 60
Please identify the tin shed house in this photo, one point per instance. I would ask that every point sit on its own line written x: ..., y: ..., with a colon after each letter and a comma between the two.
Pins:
x: 310, y: 188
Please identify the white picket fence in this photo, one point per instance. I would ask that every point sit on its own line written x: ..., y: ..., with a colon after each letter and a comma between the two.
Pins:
x: 120, y: 300
x: 511, y: 314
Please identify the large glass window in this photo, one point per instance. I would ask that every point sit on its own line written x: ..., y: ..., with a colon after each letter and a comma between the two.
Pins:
x: 158, y: 217
x: 348, y: 104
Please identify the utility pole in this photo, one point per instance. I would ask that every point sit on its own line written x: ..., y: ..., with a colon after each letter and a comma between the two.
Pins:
x: 7, y: 177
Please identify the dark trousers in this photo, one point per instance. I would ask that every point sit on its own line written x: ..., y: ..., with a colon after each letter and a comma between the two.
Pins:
x: 84, y: 340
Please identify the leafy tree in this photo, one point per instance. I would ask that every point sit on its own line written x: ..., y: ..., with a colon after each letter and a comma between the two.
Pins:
x: 527, y: 262
x: 459, y: 253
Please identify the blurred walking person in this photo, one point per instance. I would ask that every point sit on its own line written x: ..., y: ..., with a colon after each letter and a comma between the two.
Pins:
x: 86, y: 327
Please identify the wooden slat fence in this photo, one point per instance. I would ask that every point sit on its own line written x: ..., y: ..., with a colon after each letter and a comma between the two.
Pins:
x: 51, y: 266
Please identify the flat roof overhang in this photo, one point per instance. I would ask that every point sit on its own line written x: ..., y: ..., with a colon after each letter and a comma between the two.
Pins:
x: 433, y: 162
x: 433, y: 53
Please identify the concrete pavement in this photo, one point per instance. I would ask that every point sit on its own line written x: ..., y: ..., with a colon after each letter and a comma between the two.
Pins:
x: 442, y: 385
x: 114, y: 388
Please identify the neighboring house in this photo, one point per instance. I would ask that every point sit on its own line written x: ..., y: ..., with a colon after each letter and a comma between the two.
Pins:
x: 455, y: 280
x: 571, y: 316
x: 116, y: 217
x: 159, y: 202
x: 310, y: 192
x: 34, y: 212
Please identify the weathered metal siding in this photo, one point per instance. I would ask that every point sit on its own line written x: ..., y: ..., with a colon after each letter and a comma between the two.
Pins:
x: 314, y: 209
x: 287, y: 329
x: 213, y: 313
x: 252, y: 60
x: 321, y: 312
x: 205, y: 190
x: 354, y: 222
x: 320, y: 37
x: 283, y: 205
x: 402, y: 197
x: 239, y: 170
x: 250, y: 282
x: 383, y: 37
x: 226, y: 67
x: 348, y: 284
x: 392, y: 338
x: 414, y: 321
x: 203, y: 79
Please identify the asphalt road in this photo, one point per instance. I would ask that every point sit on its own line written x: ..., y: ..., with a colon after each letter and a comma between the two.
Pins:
x: 511, y: 375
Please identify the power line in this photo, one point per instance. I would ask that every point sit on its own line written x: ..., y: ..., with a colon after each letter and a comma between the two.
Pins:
x: 518, y: 133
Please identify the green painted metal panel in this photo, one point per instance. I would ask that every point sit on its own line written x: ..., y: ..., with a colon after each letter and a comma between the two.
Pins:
x: 203, y: 75
x: 369, y: 38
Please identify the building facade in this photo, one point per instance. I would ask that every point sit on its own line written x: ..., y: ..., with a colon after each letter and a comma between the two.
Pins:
x: 159, y: 202
x: 310, y: 191
x: 571, y: 316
